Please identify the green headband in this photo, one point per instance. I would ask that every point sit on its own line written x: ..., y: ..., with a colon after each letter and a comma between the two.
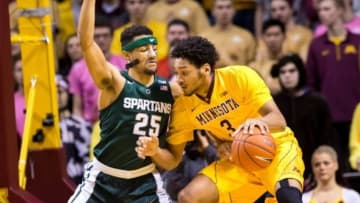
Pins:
x: 138, y: 43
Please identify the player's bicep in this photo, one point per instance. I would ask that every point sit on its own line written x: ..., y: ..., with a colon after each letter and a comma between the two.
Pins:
x: 99, y: 68
x: 269, y: 107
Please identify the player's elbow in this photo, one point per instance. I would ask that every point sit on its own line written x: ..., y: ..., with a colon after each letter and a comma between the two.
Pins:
x: 282, y: 122
x: 85, y: 40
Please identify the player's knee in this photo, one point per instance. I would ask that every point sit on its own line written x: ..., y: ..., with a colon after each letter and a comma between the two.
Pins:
x: 185, y: 195
x: 288, y: 194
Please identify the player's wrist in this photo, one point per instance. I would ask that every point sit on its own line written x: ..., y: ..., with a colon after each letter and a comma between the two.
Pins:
x: 155, y: 152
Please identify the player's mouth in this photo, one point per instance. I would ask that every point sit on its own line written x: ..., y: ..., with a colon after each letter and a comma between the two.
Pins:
x: 151, y: 62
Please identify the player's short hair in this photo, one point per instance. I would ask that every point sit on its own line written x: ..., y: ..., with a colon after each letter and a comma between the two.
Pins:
x: 299, y: 64
x: 133, y: 31
x: 271, y: 23
x: 178, y: 22
x: 197, y: 50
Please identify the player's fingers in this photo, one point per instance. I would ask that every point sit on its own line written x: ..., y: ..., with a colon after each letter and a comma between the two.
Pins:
x: 236, y: 132
x: 260, y: 126
x: 139, y: 153
x: 245, y: 128
x: 263, y: 127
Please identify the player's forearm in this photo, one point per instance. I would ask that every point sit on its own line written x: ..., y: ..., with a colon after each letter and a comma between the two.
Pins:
x: 86, y: 24
x: 165, y: 159
x: 275, y: 121
x: 96, y: 62
x: 272, y: 116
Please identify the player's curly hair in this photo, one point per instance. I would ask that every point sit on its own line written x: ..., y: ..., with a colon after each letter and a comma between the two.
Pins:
x: 197, y: 50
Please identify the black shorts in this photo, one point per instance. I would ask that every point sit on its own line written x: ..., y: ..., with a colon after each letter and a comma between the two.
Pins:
x: 100, y: 187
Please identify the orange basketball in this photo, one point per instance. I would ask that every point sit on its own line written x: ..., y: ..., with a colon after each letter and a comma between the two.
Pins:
x: 253, y: 152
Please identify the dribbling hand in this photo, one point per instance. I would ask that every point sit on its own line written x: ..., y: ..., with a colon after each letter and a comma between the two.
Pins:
x: 147, y: 146
x: 248, y: 126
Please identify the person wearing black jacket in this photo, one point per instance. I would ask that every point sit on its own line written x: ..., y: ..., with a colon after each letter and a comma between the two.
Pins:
x: 305, y: 111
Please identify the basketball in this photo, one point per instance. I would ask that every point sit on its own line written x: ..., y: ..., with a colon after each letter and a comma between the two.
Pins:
x: 253, y: 152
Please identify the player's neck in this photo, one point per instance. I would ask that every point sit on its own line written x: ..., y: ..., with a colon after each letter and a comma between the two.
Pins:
x: 142, y: 78
x: 206, y: 87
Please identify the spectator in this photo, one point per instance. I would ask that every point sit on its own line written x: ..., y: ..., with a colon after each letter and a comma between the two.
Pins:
x: 75, y: 134
x: 85, y: 93
x: 234, y: 44
x: 356, y: 7
x: 305, y: 111
x: 189, y: 11
x: 176, y: 30
x: 355, y: 140
x: 15, y: 47
x: 325, y: 165
x: 137, y: 10
x: 72, y: 55
x: 333, y: 70
x: 273, y: 34
x: 19, y: 98
x: 352, y: 22
x: 263, y: 12
x: 67, y: 22
x: 113, y: 11
x: 298, y: 37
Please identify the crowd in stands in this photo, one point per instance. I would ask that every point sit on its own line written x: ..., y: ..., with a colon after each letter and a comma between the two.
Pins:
x: 307, y: 52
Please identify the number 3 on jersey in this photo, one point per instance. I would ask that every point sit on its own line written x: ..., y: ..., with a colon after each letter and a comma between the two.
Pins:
x: 147, y: 124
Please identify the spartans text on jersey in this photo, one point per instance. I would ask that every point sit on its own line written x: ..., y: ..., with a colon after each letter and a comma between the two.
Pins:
x: 147, y: 105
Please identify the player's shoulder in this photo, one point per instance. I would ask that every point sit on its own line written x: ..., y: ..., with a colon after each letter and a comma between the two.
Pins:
x: 176, y: 90
x: 235, y: 70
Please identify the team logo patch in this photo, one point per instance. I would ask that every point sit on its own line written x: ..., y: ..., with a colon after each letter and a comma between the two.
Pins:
x: 325, y: 52
x: 350, y: 49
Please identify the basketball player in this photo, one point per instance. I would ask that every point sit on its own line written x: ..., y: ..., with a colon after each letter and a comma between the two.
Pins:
x: 132, y: 104
x: 223, y: 101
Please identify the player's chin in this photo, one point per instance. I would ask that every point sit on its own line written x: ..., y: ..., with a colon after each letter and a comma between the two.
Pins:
x: 187, y: 93
x: 151, y: 70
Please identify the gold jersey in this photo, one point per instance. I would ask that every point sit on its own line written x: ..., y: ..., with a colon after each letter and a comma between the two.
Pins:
x: 237, y: 94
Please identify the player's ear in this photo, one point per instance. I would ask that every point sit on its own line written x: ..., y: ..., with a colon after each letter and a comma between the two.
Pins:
x: 126, y: 55
x: 206, y: 68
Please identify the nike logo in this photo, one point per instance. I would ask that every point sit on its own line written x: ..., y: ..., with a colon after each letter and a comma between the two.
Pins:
x: 223, y: 93
x: 264, y: 158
